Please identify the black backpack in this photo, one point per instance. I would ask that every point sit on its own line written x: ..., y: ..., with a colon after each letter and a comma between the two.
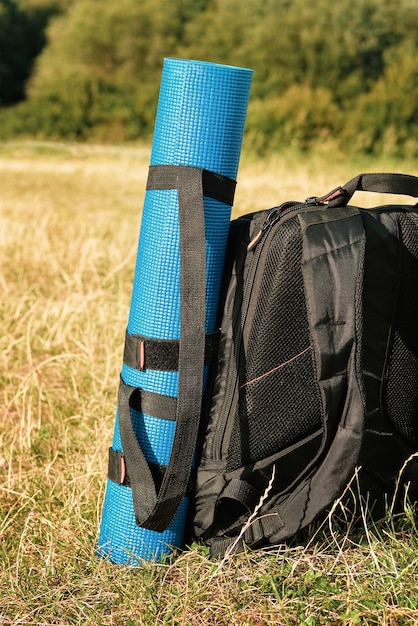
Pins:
x: 316, y: 381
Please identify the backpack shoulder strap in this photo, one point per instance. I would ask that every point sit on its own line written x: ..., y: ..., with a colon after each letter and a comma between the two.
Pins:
x: 332, y: 266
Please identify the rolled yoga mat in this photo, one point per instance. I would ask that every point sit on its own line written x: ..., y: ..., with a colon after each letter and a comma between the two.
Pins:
x: 199, y: 126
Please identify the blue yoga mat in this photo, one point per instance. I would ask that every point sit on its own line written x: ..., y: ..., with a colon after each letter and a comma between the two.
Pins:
x: 200, y: 123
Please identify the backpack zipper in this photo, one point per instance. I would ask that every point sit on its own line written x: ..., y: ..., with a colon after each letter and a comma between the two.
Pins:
x: 276, y: 214
x: 256, y: 245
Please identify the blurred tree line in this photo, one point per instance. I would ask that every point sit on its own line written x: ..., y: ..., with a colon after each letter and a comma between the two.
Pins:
x: 344, y: 72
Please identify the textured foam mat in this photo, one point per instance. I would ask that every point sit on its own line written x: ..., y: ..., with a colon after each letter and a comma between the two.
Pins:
x: 200, y: 122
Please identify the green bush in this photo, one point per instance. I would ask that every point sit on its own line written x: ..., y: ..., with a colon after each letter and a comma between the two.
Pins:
x: 301, y: 117
x: 68, y: 109
x: 385, y: 120
x: 97, y: 79
x: 82, y: 108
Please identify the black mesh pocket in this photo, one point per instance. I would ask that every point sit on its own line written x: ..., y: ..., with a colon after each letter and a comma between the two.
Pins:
x: 402, y: 382
x: 279, y: 401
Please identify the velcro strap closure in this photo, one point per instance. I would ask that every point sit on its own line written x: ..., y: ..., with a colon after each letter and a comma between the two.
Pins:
x: 214, y: 185
x: 117, y: 471
x: 162, y: 354
x: 116, y: 468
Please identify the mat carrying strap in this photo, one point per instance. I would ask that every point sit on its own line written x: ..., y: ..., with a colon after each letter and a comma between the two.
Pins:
x: 155, y: 504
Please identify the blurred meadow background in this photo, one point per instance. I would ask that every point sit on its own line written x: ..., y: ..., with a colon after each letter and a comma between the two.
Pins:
x: 335, y: 93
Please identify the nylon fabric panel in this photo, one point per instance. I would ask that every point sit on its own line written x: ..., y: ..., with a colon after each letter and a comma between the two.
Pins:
x: 331, y: 267
x: 379, y: 296
x: 332, y: 270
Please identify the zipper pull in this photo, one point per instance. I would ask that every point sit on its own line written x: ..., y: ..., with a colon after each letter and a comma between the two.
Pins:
x: 273, y: 216
x: 265, y: 226
x: 314, y: 201
x: 254, y: 241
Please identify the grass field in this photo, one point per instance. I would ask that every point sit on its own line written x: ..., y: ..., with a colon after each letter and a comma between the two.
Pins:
x: 69, y: 224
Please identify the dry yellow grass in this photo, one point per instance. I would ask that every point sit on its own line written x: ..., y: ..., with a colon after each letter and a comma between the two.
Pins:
x: 69, y: 224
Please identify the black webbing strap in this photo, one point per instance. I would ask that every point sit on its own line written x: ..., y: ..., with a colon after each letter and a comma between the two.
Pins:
x: 141, y: 478
x: 149, y: 403
x: 255, y: 534
x: 155, y: 508
x: 118, y: 473
x: 154, y: 404
x: 242, y: 493
x: 403, y: 184
x: 161, y: 354
x: 214, y: 185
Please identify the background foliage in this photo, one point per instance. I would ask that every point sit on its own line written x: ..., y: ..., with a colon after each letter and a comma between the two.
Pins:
x: 343, y: 73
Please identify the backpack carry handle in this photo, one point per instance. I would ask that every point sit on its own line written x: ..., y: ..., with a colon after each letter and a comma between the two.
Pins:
x: 403, y: 184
